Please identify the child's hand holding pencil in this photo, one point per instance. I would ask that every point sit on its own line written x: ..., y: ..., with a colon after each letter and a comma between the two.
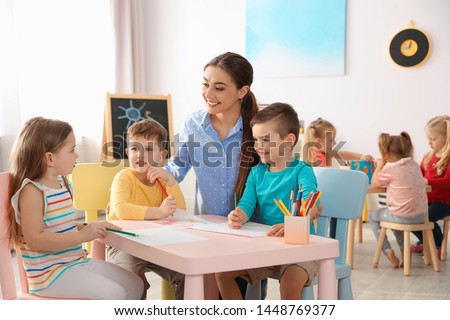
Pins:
x: 237, y: 218
x: 315, y: 211
x: 154, y: 174
x: 98, y: 229
x: 168, y: 206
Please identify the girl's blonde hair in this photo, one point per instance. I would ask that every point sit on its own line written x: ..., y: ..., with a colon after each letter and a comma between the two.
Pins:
x: 395, y: 147
x: 316, y: 130
x: 38, y: 136
x: 440, y: 125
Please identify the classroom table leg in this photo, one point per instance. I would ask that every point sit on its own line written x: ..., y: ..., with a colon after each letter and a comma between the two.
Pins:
x: 193, y: 287
x: 327, y: 289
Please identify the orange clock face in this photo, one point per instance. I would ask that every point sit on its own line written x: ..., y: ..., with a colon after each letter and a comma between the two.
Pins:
x: 409, y: 48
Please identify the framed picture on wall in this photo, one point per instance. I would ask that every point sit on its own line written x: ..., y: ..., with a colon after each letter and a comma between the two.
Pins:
x: 122, y: 110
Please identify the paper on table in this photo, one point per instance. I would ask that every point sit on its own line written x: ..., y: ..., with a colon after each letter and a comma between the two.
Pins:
x: 180, y: 220
x: 250, y: 229
x: 159, y: 236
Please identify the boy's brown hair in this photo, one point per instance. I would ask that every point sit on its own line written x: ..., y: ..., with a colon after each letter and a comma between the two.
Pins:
x: 149, y: 128
x: 284, y: 116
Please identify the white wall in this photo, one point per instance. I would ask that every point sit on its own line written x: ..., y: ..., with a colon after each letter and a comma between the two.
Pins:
x: 373, y: 96
x: 9, y: 110
x: 47, y: 60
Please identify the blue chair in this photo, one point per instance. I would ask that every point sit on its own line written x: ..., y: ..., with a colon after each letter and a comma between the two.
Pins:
x: 343, y: 196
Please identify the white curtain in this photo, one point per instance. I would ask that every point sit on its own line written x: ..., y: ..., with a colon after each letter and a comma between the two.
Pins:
x: 128, y: 23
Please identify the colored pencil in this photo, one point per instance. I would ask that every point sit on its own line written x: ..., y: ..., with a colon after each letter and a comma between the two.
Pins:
x: 118, y: 231
x: 235, y: 200
x: 318, y: 194
x: 284, y: 207
x: 280, y: 207
x: 123, y: 232
x: 291, y: 200
x: 294, y: 209
x: 162, y: 187
x: 298, y: 211
x: 310, y: 200
x: 314, y: 200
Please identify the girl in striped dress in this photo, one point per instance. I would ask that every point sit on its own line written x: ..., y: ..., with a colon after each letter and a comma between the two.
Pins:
x: 43, y: 222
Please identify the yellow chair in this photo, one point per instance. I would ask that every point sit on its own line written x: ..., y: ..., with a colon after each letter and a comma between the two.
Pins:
x: 91, y: 184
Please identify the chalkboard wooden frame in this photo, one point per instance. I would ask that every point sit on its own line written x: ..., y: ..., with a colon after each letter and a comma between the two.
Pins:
x: 122, y: 110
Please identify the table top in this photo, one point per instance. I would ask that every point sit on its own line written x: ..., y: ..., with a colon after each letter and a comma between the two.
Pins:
x: 222, y: 252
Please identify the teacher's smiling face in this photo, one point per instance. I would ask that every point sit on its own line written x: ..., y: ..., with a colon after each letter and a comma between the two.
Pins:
x: 220, y: 91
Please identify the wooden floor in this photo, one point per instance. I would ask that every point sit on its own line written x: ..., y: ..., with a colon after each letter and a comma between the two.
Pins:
x: 368, y: 283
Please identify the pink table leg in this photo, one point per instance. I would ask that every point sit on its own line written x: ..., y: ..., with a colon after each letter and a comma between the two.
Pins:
x: 193, y: 287
x: 327, y: 280
x: 98, y: 250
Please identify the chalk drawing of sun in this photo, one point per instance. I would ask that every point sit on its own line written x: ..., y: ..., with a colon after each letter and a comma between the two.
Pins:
x: 132, y: 113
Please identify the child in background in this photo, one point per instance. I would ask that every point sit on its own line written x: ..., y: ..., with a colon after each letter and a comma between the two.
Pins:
x: 436, y: 173
x: 320, y: 140
x: 275, y: 130
x: 406, y: 196
x: 43, y: 220
x: 138, y: 193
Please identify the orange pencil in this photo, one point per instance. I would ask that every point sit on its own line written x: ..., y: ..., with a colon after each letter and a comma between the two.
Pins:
x: 162, y: 187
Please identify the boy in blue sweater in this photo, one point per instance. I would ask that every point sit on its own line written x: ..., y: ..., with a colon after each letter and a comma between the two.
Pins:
x: 275, y: 130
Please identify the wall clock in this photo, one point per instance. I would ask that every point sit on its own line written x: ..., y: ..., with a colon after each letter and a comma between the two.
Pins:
x: 410, y: 47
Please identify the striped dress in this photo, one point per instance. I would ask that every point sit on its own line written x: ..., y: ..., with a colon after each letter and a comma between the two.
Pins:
x: 43, y: 268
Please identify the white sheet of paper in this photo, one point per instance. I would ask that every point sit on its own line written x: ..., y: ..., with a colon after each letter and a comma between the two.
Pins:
x: 180, y: 220
x: 158, y: 236
x: 250, y: 229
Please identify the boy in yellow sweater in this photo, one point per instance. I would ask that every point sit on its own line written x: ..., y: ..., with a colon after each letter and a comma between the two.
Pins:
x: 145, y: 191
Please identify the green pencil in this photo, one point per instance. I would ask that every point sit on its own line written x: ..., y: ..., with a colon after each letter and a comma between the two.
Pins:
x: 123, y: 232
x: 235, y: 200
x: 118, y: 231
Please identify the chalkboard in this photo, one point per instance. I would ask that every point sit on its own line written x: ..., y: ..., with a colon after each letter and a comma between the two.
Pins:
x: 122, y: 110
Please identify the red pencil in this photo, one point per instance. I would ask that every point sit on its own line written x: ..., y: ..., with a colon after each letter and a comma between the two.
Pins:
x: 162, y: 187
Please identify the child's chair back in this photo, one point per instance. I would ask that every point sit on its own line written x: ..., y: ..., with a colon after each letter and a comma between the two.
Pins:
x: 343, y: 196
x: 92, y: 185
